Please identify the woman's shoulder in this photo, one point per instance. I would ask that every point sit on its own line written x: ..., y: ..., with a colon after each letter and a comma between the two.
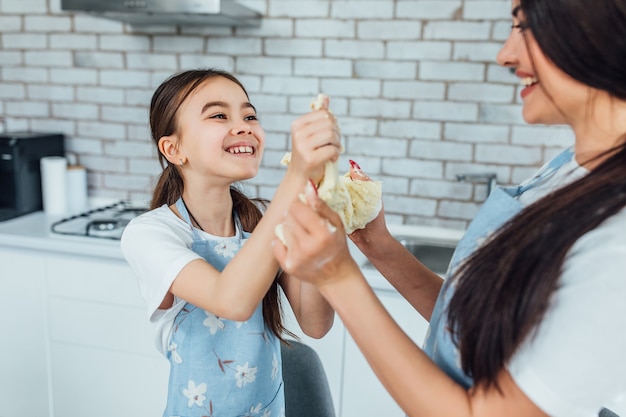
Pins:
x: 611, y: 231
x: 601, y: 252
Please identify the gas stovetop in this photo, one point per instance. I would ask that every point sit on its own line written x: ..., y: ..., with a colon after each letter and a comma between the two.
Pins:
x: 106, y: 222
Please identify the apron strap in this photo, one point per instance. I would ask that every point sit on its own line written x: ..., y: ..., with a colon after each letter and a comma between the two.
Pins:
x: 546, y: 171
x: 182, y: 209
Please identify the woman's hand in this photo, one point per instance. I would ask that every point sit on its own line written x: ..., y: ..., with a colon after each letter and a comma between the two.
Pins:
x: 315, y: 141
x: 316, y: 248
x: 372, y: 233
x: 375, y: 240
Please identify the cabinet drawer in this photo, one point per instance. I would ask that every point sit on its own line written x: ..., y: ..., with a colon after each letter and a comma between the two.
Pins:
x: 101, y: 326
x: 106, y: 281
x: 23, y: 367
x: 107, y: 383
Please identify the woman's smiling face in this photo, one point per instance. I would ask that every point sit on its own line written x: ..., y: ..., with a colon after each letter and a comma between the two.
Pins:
x: 220, y: 134
x: 549, y: 95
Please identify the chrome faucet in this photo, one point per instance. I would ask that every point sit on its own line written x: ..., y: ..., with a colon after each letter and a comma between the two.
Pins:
x: 489, y: 178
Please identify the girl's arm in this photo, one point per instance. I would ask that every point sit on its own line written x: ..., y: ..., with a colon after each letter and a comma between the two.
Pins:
x: 414, y: 381
x: 418, y: 285
x: 235, y: 292
x: 313, y: 313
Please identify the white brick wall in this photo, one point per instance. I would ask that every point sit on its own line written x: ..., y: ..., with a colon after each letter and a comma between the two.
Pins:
x: 431, y: 10
x: 413, y: 83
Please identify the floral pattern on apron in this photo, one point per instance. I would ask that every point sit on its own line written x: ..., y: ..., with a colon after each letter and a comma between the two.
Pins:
x: 500, y: 206
x: 219, y: 367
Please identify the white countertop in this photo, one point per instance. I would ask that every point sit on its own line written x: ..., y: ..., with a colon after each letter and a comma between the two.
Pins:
x: 32, y: 232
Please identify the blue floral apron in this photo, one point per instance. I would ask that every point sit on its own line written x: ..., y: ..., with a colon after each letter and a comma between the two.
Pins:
x: 500, y: 206
x: 219, y: 367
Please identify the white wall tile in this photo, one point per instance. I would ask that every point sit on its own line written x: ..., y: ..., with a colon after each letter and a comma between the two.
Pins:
x: 457, y: 30
x: 14, y: 91
x: 445, y: 111
x: 50, y: 92
x: 430, y: 10
x: 410, y: 129
x: 362, y: 9
x: 390, y: 29
x: 73, y: 41
x: 441, y: 150
x: 23, y: 6
x: 325, y: 28
x: 451, y: 71
x: 48, y: 58
x: 47, y: 23
x: 418, y: 50
x: 346, y: 48
x: 481, y: 92
x: 492, y: 9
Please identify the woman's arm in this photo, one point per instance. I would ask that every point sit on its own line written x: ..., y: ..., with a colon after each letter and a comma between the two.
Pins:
x: 418, y: 285
x: 414, y: 381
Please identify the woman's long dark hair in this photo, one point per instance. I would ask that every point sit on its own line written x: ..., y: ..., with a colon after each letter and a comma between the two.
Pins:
x: 166, y: 101
x: 505, y: 288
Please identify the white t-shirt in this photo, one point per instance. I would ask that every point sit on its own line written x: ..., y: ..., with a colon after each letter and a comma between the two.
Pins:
x: 578, y: 353
x: 157, y: 245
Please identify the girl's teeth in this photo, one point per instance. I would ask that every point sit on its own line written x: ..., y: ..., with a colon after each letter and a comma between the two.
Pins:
x: 241, y: 149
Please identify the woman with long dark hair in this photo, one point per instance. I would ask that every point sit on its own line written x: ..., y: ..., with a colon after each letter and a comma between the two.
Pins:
x: 530, y: 320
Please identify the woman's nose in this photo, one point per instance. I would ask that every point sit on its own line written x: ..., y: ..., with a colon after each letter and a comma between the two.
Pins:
x: 507, y: 56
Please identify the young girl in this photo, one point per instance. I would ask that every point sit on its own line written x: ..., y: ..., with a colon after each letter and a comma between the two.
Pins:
x: 530, y: 321
x: 213, y: 299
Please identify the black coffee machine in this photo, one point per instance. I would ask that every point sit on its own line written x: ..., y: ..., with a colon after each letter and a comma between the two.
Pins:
x: 20, y: 173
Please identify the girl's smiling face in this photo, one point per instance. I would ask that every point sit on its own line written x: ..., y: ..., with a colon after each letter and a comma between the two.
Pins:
x: 549, y: 95
x: 219, y: 134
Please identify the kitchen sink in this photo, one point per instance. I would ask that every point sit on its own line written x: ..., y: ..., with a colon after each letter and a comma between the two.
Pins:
x: 436, y: 256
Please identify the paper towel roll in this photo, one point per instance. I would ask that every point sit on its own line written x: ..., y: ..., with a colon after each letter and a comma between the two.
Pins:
x: 54, y: 184
x: 76, y: 189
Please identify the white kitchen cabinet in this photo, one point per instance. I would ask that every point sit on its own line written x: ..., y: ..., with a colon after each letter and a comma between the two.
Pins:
x: 362, y: 393
x: 103, y: 360
x: 23, y: 363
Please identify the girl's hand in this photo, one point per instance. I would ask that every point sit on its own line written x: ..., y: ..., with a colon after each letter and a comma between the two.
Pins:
x: 316, y: 248
x: 315, y: 141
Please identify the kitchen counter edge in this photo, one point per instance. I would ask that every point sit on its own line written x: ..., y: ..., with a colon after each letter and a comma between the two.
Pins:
x: 32, y: 232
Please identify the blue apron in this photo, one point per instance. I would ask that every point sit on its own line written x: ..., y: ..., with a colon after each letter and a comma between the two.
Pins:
x: 501, y: 205
x: 219, y: 367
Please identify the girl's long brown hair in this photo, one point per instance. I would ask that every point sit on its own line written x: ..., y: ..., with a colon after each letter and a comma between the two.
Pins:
x: 164, y: 106
x: 505, y: 288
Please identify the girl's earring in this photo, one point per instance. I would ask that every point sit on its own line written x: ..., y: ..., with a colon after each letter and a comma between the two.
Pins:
x: 180, y: 162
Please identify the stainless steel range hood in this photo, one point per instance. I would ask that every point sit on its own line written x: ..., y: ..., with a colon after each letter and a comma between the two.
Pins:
x: 168, y: 12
